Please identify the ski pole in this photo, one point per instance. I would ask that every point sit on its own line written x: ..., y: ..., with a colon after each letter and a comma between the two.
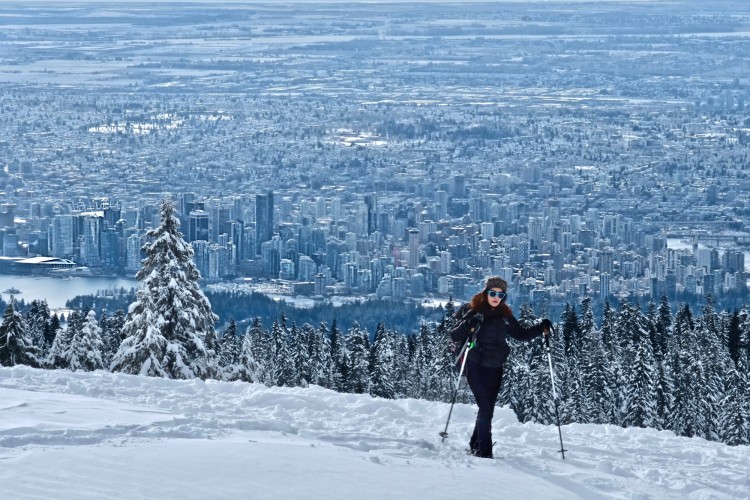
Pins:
x: 465, y: 352
x: 554, y: 392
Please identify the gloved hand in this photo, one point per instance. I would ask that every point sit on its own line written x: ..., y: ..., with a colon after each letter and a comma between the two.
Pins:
x: 546, y: 326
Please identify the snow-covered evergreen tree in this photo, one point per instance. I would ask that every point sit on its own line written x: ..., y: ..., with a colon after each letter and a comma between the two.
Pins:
x: 570, y: 331
x: 443, y: 362
x: 144, y: 349
x: 640, y: 408
x: 359, y: 359
x: 689, y: 376
x: 664, y: 392
x: 718, y: 364
x: 684, y: 328
x: 212, y: 348
x: 339, y: 373
x: 112, y: 334
x: 16, y: 347
x: 663, y: 329
x: 59, y: 354
x: 250, y: 367
x: 597, y: 374
x: 565, y: 353
x: 109, y: 344
x: 659, y: 322
x: 230, y: 353
x: 37, y: 325
x: 308, y: 356
x: 401, y: 365
x: 734, y: 423
x: 419, y: 373
x: 541, y: 405
x: 85, y: 350
x: 608, y: 331
x: 734, y: 336
x: 382, y: 366
x: 284, y: 371
x: 744, y: 332
x: 300, y: 357
x: 52, y: 329
x: 515, y: 390
x: 325, y: 368
x: 167, y: 325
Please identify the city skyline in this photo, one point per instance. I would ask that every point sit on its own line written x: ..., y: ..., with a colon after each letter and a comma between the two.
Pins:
x: 561, y: 148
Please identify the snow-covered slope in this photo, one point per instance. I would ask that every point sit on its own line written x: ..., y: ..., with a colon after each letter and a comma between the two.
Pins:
x: 66, y: 435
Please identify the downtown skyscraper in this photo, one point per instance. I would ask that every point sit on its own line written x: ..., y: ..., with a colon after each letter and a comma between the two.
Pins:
x: 263, y: 219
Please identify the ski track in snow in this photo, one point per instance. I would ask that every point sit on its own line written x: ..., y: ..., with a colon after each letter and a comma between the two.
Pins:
x: 49, y: 410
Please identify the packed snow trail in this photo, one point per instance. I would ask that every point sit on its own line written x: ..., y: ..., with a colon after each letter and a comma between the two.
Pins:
x: 112, y: 436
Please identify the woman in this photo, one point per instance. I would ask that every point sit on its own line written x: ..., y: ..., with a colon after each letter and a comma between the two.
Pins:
x: 489, y: 321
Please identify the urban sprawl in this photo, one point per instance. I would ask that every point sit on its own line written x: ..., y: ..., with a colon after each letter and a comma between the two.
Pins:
x: 386, y: 151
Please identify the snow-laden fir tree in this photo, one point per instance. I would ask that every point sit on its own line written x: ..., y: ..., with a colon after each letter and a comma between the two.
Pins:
x: 526, y: 375
x: 284, y: 371
x: 513, y: 391
x: 300, y: 355
x: 169, y: 321
x: 684, y: 327
x: 734, y: 336
x: 320, y: 358
x: 358, y: 345
x: 382, y: 366
x: 540, y: 402
x: 689, y: 376
x: 37, y: 325
x: 734, y: 423
x: 59, y: 354
x: 53, y: 328
x: 401, y: 364
x: 15, y: 345
x: 111, y: 334
x: 640, y: 391
x: 261, y: 347
x: 745, y: 330
x: 519, y: 386
x: 419, y: 373
x: 713, y: 334
x: 443, y: 366
x: 85, y: 350
x: 251, y: 355
x: 311, y: 346
x: 570, y: 331
x: 664, y: 392
x: 663, y: 329
x: 339, y: 372
x: 212, y: 348
x: 659, y: 334
x: 597, y: 375
x: 230, y: 353
x: 565, y: 358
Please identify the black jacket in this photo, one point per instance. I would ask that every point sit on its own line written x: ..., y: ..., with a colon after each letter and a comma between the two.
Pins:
x: 491, y: 347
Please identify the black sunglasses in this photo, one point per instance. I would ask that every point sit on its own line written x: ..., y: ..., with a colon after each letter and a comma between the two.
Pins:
x: 493, y: 293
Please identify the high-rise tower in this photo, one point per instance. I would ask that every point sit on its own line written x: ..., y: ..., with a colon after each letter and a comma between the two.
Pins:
x: 263, y: 219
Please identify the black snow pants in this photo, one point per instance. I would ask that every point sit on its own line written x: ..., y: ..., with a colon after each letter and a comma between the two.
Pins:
x: 485, y: 384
